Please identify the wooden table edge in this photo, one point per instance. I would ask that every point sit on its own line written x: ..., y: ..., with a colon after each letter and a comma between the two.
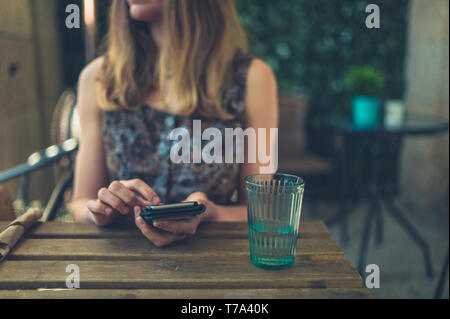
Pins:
x: 210, y: 293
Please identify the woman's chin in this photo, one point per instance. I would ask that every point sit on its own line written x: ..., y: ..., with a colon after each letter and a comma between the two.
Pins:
x: 145, y: 12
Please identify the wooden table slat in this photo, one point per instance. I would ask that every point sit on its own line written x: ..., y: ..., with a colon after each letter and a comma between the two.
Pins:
x: 164, y: 274
x: 143, y: 249
x: 283, y: 293
x: 315, y: 229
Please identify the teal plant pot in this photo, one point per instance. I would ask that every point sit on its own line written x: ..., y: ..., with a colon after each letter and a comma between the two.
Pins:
x: 365, y: 111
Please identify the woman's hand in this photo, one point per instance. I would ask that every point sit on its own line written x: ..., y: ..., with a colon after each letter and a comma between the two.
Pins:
x: 164, y: 232
x: 120, y: 199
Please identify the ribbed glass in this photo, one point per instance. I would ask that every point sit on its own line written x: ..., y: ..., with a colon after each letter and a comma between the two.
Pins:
x: 274, y: 204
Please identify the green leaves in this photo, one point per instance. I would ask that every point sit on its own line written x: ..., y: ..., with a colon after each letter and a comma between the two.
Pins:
x: 365, y: 80
x: 311, y: 45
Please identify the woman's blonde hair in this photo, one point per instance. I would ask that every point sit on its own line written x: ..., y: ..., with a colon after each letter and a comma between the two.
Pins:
x: 202, y: 36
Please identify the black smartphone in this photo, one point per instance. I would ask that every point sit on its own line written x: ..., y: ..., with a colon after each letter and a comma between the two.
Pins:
x: 180, y: 211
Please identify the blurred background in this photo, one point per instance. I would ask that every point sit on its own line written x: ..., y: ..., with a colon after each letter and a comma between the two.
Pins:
x: 324, y: 57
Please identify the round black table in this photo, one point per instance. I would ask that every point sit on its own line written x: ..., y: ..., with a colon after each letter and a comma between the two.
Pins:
x: 376, y: 137
x: 414, y: 124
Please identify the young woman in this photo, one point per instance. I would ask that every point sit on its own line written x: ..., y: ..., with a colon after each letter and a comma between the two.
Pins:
x: 168, y: 62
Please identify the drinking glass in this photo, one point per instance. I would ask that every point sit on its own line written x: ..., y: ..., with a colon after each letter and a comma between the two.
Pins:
x: 274, y: 204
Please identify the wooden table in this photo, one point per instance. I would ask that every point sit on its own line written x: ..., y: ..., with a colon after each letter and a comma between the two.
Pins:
x: 118, y: 262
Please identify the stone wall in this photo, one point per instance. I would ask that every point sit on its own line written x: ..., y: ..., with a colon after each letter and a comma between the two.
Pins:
x: 424, y: 173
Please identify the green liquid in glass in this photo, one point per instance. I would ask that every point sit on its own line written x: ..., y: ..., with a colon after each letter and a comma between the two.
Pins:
x: 272, y: 244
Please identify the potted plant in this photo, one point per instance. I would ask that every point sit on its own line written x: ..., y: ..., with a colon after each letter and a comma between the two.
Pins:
x: 366, y: 84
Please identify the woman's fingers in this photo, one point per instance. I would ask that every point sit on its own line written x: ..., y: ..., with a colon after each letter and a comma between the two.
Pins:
x: 97, y: 207
x: 99, y: 218
x: 123, y: 193
x: 120, y: 196
x: 143, y: 202
x: 199, y: 197
x: 111, y: 200
x: 156, y: 236
x: 188, y: 227
x: 138, y: 186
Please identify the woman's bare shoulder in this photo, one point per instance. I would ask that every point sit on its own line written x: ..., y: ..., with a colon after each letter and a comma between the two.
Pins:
x: 260, y: 73
x: 89, y: 72
x: 87, y: 93
x: 261, y: 87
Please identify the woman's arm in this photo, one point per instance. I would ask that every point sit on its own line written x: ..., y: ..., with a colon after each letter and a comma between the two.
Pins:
x: 261, y: 111
x: 90, y: 170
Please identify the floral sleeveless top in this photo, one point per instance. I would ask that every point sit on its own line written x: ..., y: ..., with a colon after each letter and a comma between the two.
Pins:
x: 137, y: 145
